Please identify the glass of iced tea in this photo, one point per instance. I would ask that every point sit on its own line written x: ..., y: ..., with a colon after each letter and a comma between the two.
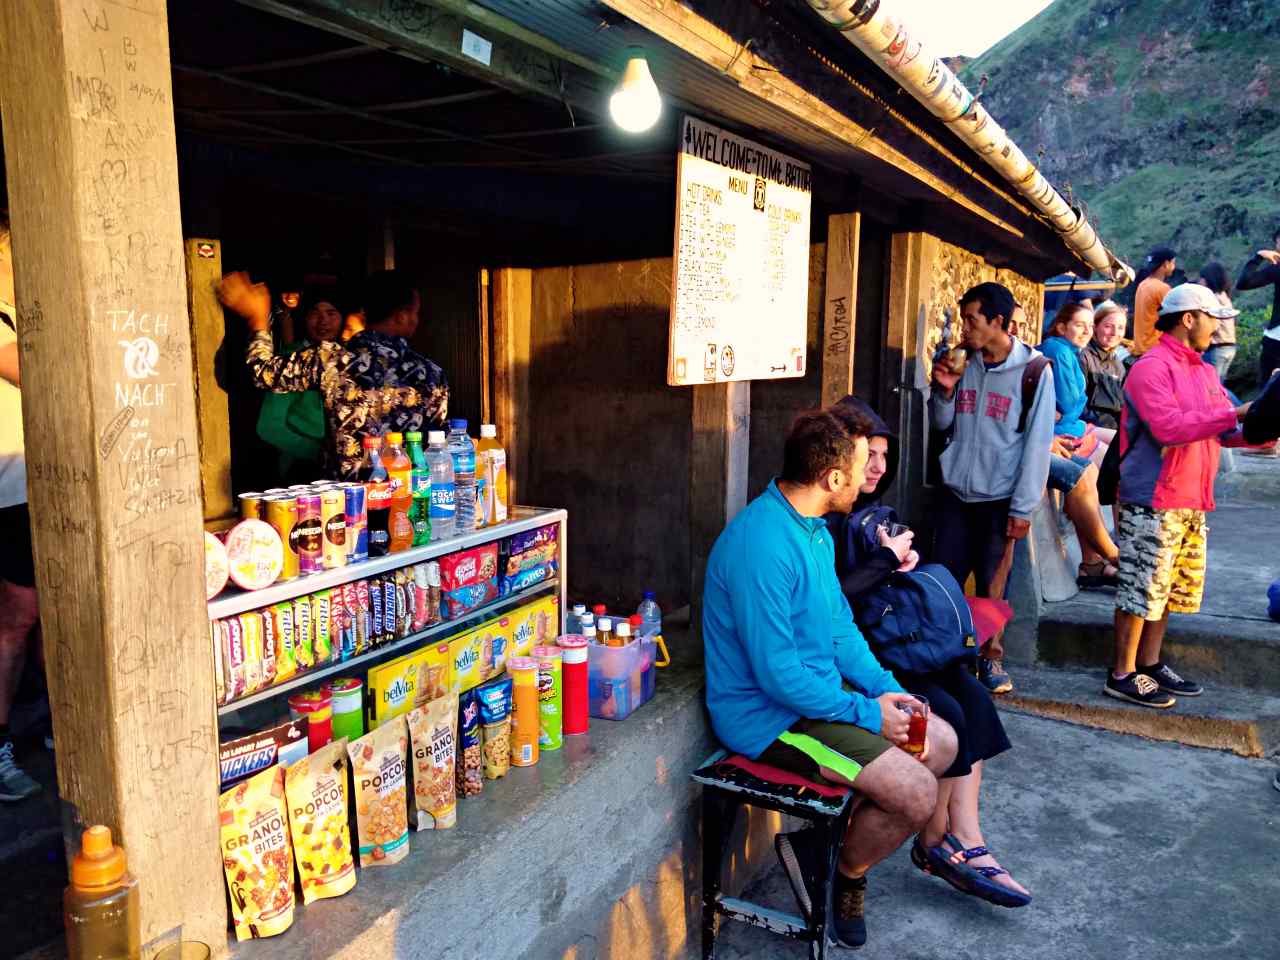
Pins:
x: 918, y: 707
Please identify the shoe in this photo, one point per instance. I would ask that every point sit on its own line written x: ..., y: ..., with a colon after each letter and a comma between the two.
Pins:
x: 800, y: 854
x: 849, y: 919
x: 14, y: 784
x: 1170, y: 682
x: 992, y: 675
x: 1138, y: 688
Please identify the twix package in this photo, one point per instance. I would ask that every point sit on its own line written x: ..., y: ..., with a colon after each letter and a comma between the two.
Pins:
x: 316, y: 788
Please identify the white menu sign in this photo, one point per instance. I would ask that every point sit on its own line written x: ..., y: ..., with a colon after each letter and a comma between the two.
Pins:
x: 739, y: 300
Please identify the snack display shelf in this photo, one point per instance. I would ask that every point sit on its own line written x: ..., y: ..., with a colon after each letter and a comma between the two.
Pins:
x: 234, y: 601
x: 405, y: 644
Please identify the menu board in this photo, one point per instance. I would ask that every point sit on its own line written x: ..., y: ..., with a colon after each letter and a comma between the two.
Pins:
x: 739, y: 296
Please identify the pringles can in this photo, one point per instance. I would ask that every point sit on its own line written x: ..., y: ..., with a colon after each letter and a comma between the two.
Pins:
x: 310, y: 534
x: 357, y: 522
x: 333, y: 521
x: 281, y: 511
x: 550, y: 687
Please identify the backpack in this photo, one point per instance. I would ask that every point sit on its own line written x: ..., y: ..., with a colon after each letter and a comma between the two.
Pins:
x: 918, y: 622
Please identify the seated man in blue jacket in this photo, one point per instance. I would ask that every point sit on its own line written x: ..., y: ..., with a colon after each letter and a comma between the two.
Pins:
x: 790, y: 680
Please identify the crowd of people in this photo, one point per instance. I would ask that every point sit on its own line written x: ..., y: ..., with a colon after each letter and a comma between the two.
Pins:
x: 802, y: 677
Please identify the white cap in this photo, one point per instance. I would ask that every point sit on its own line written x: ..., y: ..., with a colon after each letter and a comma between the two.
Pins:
x: 488, y: 431
x: 623, y: 629
x: 588, y: 619
x: 604, y: 623
x: 1187, y: 297
x: 579, y: 609
x: 435, y: 436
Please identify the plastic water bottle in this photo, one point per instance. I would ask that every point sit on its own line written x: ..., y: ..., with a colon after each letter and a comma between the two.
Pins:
x: 443, y: 489
x: 651, y: 614
x: 464, y: 476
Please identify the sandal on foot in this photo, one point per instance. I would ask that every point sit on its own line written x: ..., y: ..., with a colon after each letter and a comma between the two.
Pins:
x: 985, y: 886
x: 937, y: 862
x: 1093, y: 576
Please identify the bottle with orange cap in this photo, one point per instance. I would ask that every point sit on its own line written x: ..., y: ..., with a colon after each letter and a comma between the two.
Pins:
x: 100, y: 907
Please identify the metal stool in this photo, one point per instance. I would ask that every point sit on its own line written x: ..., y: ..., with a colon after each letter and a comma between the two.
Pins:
x: 727, y: 785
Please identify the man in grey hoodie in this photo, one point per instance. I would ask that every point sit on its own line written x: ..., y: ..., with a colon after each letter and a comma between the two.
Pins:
x: 994, y: 473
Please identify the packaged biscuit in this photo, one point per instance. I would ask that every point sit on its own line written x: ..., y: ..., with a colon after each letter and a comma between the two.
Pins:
x: 251, y: 634
x: 303, y: 634
x: 433, y: 734
x: 362, y: 616
x: 321, y: 625
x: 270, y: 658
x: 495, y: 723
x: 469, y: 579
x: 316, y: 788
x: 219, y: 679
x: 231, y: 642
x: 382, y: 815
x: 470, y: 772
x: 281, y: 616
x: 254, y: 828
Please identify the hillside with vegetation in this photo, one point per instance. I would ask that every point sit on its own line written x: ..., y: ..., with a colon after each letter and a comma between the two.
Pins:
x: 1162, y: 115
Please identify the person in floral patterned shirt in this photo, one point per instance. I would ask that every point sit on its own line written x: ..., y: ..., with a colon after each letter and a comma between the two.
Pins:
x: 371, y: 384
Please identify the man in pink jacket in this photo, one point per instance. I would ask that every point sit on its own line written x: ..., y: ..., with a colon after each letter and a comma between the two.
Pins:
x: 1176, y: 416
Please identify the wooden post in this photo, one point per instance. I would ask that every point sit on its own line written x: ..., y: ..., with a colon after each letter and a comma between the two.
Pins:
x: 512, y: 333
x: 839, y: 307
x: 112, y: 459
x: 718, y: 470
x: 208, y: 328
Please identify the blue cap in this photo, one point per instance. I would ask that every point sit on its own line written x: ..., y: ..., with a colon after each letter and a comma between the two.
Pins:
x: 649, y: 595
x: 457, y: 424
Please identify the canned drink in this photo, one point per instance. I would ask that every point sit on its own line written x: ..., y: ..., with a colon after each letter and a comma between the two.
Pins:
x: 299, y: 488
x: 310, y: 534
x: 281, y: 511
x: 275, y: 492
x: 333, y: 519
x: 251, y: 506
x: 357, y: 522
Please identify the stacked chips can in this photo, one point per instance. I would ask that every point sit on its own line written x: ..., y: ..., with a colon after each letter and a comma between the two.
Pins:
x: 550, y: 707
x: 575, y: 681
x: 281, y: 511
x: 333, y: 523
x: 310, y: 534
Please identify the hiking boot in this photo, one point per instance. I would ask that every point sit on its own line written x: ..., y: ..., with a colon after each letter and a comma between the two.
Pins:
x: 14, y: 783
x: 992, y: 675
x: 801, y: 856
x: 850, y: 914
x: 1169, y: 681
x: 1138, y: 688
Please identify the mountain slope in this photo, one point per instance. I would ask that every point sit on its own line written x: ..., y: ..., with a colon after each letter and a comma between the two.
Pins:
x: 1163, y: 115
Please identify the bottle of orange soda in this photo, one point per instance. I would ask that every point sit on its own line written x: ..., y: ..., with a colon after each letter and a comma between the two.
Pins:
x: 400, y: 472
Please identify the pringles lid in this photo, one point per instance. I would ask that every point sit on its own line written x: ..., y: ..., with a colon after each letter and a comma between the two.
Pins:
x: 100, y: 863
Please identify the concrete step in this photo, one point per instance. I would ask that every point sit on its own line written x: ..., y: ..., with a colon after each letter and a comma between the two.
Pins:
x: 1240, y: 721
x: 1241, y: 650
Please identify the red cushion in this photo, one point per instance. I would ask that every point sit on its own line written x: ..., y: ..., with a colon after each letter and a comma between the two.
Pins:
x: 762, y: 771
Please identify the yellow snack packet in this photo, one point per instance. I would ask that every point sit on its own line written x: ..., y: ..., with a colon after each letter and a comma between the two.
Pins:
x: 254, y: 828
x: 316, y: 788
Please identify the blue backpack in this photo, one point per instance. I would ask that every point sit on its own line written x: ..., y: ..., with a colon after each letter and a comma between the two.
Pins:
x: 918, y: 622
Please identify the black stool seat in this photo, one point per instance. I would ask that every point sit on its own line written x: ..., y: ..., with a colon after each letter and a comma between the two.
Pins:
x: 730, y: 782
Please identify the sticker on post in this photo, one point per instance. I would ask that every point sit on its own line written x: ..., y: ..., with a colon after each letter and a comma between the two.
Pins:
x: 477, y: 47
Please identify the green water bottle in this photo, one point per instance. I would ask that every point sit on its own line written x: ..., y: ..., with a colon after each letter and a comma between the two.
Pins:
x: 420, y: 482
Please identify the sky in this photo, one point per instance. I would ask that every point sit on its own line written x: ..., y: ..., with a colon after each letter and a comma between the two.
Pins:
x: 953, y: 27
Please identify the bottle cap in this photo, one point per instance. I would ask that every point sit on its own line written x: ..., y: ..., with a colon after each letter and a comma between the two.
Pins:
x: 371, y: 443
x: 587, y: 620
x: 522, y: 663
x: 635, y: 620
x: 488, y: 431
x: 99, y: 863
x: 579, y: 609
x: 623, y: 629
x: 604, y: 624
x: 649, y: 595
x: 435, y: 436
x: 413, y: 436
x: 589, y: 631
x: 598, y: 609
x: 395, y: 438
x: 458, y: 425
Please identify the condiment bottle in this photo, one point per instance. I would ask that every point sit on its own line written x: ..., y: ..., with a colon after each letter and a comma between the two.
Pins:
x: 622, y: 634
x: 100, y: 907
x: 589, y: 632
x: 525, y: 722
x: 604, y: 631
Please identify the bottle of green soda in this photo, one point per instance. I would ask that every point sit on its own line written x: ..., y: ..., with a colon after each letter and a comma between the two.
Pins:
x: 420, y: 484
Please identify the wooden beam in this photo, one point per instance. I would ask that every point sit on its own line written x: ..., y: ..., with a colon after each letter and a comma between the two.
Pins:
x: 432, y: 32
x: 208, y: 328
x: 112, y: 460
x: 840, y: 306
x: 702, y: 39
x: 718, y: 471
x: 512, y: 334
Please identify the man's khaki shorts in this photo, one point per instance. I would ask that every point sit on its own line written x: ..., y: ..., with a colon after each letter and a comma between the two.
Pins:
x: 1162, y: 561
x: 811, y: 745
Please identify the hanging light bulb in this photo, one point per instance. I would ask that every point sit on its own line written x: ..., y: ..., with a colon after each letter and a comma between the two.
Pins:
x: 636, y: 104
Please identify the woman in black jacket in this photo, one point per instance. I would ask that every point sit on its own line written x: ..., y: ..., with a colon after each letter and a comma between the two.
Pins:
x: 951, y: 845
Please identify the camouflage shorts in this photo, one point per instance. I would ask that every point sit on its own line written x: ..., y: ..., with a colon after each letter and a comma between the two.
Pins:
x: 1162, y: 558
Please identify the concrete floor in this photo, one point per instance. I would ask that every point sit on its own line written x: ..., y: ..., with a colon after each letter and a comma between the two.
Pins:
x: 1134, y: 849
